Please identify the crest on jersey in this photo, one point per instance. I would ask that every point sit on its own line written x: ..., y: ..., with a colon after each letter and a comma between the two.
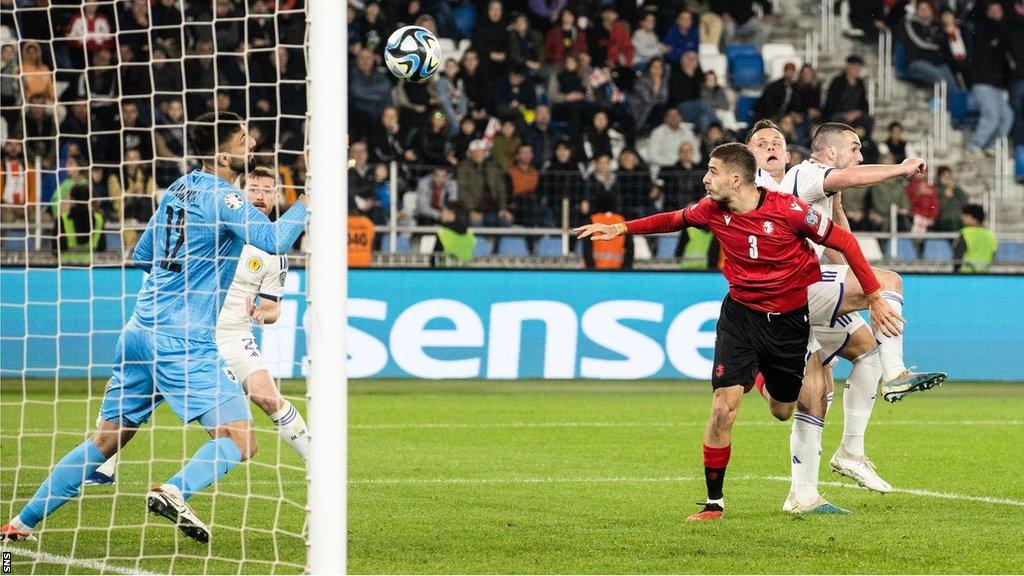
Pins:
x: 233, y: 201
x: 768, y: 227
x: 254, y: 265
x: 812, y: 218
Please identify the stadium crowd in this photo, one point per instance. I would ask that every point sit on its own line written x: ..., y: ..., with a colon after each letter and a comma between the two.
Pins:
x: 555, y: 105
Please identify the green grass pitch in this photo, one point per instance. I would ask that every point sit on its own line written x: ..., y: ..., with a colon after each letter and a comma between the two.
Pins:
x: 553, y: 477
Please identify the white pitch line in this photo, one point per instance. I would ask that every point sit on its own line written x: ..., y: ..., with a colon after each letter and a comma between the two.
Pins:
x: 514, y: 425
x: 99, y: 565
x: 671, y: 479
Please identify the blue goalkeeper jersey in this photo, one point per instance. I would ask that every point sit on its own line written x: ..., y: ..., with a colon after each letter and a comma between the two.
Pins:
x: 190, y: 248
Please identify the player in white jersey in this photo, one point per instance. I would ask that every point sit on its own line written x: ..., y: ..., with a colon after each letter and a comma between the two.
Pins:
x: 258, y: 275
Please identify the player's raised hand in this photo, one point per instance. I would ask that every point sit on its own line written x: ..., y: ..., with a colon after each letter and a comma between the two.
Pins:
x: 913, y: 165
x: 883, y: 317
x: 597, y: 231
x: 255, y: 312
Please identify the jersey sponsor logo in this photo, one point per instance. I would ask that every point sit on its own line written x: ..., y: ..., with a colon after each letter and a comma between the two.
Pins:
x: 812, y: 218
x: 254, y: 265
x: 768, y: 227
x: 233, y: 201
x: 727, y: 219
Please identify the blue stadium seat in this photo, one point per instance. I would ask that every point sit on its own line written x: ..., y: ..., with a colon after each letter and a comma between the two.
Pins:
x: 113, y: 241
x: 937, y: 250
x: 667, y: 246
x: 1010, y: 252
x: 905, y: 249
x: 961, y: 108
x: 482, y: 247
x: 549, y: 246
x: 899, y: 59
x: 741, y: 50
x: 746, y: 71
x: 13, y: 240
x: 402, y: 246
x: 1018, y: 155
x: 745, y: 109
x: 512, y: 246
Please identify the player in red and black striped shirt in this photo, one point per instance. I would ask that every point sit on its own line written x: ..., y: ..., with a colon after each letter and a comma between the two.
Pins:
x: 763, y: 325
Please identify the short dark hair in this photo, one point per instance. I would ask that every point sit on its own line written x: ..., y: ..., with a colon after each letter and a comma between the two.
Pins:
x: 825, y: 134
x: 974, y: 211
x: 942, y: 170
x: 764, y: 124
x: 263, y: 172
x: 895, y: 124
x: 739, y: 157
x: 213, y: 129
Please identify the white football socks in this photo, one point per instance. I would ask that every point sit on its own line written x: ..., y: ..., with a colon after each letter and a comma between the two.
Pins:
x: 891, y: 347
x: 859, y: 399
x: 292, y: 428
x: 805, y: 449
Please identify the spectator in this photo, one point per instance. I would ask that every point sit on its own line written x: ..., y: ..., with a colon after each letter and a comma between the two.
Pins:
x: 954, y: 46
x: 474, y: 79
x: 468, y: 132
x: 868, y: 148
x: 847, y: 98
x: 514, y: 96
x: 482, y: 188
x: 645, y: 42
x: 608, y: 42
x: 73, y: 176
x: 78, y: 226
x: 807, y: 93
x: 883, y: 196
x: 684, y: 92
x: 541, y: 136
x: 976, y: 246
x: 567, y: 92
x: 712, y: 93
x: 788, y: 128
x: 169, y: 139
x: 10, y: 90
x: 564, y: 39
x: 361, y: 236
x: 413, y: 100
x: 361, y: 182
x: 682, y: 37
x: 36, y: 76
x: 1015, y: 46
x: 924, y: 203
x: 989, y: 76
x: 167, y: 72
x: 506, y: 142
x: 650, y: 96
x: 454, y: 237
x: 135, y: 134
x: 17, y: 181
x: 524, y: 179
x: 526, y: 47
x: 866, y: 19
x: 663, y: 146
x: 133, y: 24
x: 105, y: 188
x: 434, y: 147
x: 925, y: 52
x: 855, y: 207
x: 137, y: 195
x: 561, y: 179
x: 616, y: 254
x: 451, y: 95
x: 373, y: 27
x: 89, y: 30
x: 369, y: 92
x: 895, y: 143
x: 432, y: 191
x: 601, y: 181
x: 597, y: 140
x: 74, y: 130
x: 40, y: 131
x: 952, y: 200
x: 490, y: 39
x: 712, y: 138
x: 389, y: 143
x: 200, y: 76
x: 741, y: 24
x: 779, y: 97
x: 635, y: 189
x: 683, y: 180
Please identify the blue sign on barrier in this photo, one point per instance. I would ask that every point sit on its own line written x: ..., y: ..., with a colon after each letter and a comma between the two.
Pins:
x: 502, y: 324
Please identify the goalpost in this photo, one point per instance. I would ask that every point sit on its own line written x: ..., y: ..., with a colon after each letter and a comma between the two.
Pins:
x: 99, y: 119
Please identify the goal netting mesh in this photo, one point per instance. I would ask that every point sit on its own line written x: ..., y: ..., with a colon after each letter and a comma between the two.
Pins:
x: 96, y: 100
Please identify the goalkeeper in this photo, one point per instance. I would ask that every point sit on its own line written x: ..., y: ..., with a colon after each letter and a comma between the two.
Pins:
x: 167, y: 350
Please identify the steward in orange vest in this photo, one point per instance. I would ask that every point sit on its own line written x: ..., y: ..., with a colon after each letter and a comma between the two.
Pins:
x: 615, y: 254
x: 360, y: 241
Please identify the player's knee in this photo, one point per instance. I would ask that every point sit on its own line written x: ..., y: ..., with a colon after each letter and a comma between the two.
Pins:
x: 246, y: 444
x: 723, y: 413
x: 782, y: 412
x: 889, y: 280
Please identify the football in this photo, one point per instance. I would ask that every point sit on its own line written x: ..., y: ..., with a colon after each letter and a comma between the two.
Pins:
x: 412, y: 53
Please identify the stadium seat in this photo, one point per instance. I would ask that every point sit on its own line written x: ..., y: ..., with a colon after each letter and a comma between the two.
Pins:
x: 960, y: 107
x: 482, y: 247
x: 745, y: 109
x: 737, y: 49
x: 899, y: 59
x: 667, y: 246
x: 905, y: 249
x: 773, y: 49
x: 113, y: 241
x: 447, y: 46
x: 871, y: 249
x: 937, y: 250
x: 549, y: 246
x: 512, y: 246
x: 427, y: 244
x: 402, y: 246
x: 718, y: 64
x: 746, y: 71
x: 13, y: 240
x: 1010, y: 252
x: 1018, y: 155
x: 641, y: 249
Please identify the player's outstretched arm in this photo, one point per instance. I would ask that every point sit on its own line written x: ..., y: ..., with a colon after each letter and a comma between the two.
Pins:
x: 244, y: 220
x: 655, y: 224
x: 870, y: 174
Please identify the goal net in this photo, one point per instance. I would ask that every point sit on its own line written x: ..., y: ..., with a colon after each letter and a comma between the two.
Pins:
x: 97, y: 100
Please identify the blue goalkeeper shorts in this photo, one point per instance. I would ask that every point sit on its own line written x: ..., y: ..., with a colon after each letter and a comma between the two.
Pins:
x: 151, y: 368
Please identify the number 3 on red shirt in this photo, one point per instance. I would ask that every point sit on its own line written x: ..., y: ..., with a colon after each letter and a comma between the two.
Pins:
x: 753, y: 246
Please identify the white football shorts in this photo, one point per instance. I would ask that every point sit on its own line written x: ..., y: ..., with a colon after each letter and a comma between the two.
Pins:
x: 241, y: 353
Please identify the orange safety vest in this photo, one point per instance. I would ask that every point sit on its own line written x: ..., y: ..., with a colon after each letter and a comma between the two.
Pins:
x: 609, y: 254
x: 360, y: 241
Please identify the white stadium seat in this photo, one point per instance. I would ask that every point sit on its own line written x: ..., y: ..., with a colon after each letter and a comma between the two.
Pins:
x: 706, y: 48
x: 718, y: 64
x: 871, y: 248
x: 773, y: 67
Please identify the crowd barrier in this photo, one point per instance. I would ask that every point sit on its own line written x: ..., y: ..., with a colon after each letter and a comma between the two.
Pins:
x: 502, y: 324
